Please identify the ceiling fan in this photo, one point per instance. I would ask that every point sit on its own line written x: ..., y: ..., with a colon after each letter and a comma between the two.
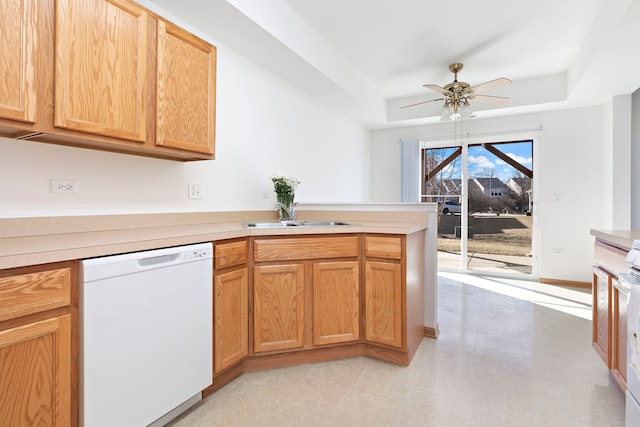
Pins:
x: 456, y: 95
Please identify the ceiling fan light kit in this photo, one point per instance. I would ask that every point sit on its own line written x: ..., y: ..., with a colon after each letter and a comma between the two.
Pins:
x: 456, y: 95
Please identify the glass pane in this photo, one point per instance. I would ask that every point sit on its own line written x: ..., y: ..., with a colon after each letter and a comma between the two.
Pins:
x: 442, y: 184
x: 499, y: 197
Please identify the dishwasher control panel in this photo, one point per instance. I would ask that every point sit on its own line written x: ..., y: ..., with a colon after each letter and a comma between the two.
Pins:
x: 197, y: 254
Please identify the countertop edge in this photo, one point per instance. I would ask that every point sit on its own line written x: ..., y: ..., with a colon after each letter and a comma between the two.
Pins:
x: 43, y: 249
x: 620, y: 238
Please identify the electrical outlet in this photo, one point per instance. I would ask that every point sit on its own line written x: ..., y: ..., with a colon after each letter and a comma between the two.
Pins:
x: 64, y: 186
x: 195, y: 190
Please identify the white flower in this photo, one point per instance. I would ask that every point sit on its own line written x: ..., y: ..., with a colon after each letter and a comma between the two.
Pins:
x: 284, y: 184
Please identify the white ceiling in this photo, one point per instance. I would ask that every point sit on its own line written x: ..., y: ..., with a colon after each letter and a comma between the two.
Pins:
x: 367, y: 58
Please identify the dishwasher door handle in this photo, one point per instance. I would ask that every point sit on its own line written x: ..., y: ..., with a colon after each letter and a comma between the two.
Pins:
x: 157, y: 260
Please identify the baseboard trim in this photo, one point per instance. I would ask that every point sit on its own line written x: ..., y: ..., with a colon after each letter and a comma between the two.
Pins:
x: 431, y: 332
x: 568, y: 283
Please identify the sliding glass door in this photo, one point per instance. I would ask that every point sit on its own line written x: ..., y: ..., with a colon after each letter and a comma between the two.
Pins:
x: 485, y: 193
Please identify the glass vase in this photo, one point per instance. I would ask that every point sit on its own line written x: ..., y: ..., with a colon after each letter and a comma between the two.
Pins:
x: 285, y: 206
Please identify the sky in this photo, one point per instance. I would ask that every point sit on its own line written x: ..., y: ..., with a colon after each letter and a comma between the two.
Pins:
x: 483, y: 164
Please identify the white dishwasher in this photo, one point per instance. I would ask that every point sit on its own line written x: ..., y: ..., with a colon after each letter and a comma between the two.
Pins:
x: 145, y: 335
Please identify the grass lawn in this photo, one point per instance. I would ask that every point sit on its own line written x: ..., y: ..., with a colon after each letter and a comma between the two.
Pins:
x: 498, y: 235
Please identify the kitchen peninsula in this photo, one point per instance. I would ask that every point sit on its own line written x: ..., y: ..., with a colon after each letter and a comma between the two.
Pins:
x: 610, y: 300
x: 281, y: 296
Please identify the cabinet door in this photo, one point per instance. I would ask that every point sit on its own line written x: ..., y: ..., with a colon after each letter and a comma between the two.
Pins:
x: 335, y: 302
x: 101, y: 67
x: 19, y: 23
x: 231, y: 318
x: 383, y: 303
x: 619, y: 345
x: 35, y: 374
x: 602, y: 314
x: 185, y: 90
x: 278, y: 307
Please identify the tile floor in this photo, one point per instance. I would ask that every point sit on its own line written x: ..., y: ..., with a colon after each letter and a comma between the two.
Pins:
x: 510, y: 353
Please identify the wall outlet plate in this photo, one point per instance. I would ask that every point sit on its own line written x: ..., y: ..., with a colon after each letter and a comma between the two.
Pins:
x: 64, y: 186
x: 195, y: 190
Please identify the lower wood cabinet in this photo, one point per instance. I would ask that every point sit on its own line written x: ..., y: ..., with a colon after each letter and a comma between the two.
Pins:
x: 35, y: 373
x: 230, y: 305
x: 383, y: 302
x: 609, y: 309
x: 306, y: 292
x: 278, y: 307
x: 231, y: 318
x: 38, y: 383
x: 602, y: 314
x: 619, y: 344
x: 384, y: 295
x: 336, y: 302
x: 277, y: 301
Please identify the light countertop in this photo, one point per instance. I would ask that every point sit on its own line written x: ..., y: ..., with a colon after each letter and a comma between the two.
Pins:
x: 620, y: 238
x: 31, y: 241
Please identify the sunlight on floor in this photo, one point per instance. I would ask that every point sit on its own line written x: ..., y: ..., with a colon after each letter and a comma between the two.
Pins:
x: 576, y: 302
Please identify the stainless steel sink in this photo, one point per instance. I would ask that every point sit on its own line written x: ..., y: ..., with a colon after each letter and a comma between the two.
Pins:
x: 269, y: 224
x: 323, y: 223
x: 294, y: 224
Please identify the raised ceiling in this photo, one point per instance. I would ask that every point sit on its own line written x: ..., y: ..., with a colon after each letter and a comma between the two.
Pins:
x: 368, y: 58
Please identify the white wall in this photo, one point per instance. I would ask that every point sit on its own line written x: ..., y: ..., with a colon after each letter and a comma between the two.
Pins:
x: 635, y: 161
x: 616, y: 159
x: 264, y: 126
x: 569, y: 166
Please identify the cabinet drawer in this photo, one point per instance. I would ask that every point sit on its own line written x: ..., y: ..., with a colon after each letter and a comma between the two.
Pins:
x: 383, y: 247
x: 305, y: 248
x: 609, y: 258
x: 34, y: 292
x: 230, y: 254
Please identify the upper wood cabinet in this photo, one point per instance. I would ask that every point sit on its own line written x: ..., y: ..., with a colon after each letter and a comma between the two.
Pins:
x: 186, y: 90
x: 101, y: 65
x: 107, y: 75
x: 18, y: 44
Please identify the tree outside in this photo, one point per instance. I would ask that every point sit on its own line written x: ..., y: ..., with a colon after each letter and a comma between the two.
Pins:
x: 498, y: 197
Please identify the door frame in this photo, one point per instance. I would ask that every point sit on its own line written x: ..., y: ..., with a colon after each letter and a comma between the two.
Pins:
x: 464, y: 141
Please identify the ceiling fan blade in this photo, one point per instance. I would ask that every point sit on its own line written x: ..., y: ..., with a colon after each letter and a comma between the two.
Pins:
x: 488, y: 99
x: 423, y: 102
x: 492, y: 84
x: 437, y: 89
